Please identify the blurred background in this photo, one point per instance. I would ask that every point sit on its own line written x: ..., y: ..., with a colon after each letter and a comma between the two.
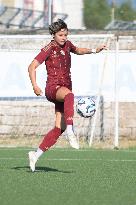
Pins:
x: 78, y: 14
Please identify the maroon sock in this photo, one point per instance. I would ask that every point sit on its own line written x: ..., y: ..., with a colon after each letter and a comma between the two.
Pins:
x: 50, y: 139
x: 69, y: 108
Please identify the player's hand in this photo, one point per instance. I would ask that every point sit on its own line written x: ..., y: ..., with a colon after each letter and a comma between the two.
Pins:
x: 37, y: 91
x: 99, y: 49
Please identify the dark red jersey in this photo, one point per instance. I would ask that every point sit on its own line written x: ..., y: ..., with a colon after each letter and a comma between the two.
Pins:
x: 58, y: 63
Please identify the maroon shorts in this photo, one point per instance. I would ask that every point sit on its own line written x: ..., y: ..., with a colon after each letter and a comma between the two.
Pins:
x: 50, y: 93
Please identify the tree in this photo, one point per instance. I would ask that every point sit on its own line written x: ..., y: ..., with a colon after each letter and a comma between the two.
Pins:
x: 125, y: 12
x: 97, y: 14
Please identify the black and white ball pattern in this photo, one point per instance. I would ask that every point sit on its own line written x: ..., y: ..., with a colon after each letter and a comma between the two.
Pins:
x: 85, y: 107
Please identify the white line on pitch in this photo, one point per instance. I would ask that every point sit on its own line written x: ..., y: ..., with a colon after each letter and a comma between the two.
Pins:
x: 76, y: 159
x: 70, y: 150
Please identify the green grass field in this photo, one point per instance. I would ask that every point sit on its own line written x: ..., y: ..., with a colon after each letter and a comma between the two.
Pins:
x: 68, y: 177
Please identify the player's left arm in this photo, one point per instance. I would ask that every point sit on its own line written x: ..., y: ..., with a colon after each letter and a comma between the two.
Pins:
x: 82, y: 51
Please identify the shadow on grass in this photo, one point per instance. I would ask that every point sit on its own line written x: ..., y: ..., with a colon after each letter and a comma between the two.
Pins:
x: 42, y: 169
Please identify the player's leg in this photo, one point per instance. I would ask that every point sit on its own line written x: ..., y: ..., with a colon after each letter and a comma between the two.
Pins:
x: 65, y: 95
x: 49, y: 140
x: 51, y: 137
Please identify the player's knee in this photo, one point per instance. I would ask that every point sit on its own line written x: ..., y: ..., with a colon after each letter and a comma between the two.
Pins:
x: 69, y: 95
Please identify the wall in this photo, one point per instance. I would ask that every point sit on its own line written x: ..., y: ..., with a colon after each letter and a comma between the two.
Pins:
x: 23, y: 122
x: 74, y: 9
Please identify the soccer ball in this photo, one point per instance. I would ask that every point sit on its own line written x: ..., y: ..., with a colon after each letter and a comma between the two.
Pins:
x: 85, y: 107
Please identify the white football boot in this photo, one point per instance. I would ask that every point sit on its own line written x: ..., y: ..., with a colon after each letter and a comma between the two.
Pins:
x: 32, y: 160
x: 73, y: 140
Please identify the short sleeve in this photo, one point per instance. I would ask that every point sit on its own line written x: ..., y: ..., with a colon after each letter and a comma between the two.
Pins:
x: 72, y: 47
x: 44, y: 54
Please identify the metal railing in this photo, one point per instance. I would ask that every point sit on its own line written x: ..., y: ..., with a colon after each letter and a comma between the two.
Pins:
x: 22, y: 18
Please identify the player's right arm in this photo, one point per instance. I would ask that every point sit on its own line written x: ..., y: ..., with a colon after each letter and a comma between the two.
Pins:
x: 38, y: 60
x: 32, y: 74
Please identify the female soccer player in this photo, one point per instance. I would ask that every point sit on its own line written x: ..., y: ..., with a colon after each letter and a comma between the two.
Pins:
x: 56, y: 56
